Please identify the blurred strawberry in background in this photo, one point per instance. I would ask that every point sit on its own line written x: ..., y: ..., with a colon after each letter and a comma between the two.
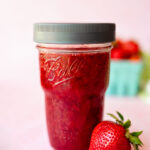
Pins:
x: 126, y: 50
x: 117, y: 53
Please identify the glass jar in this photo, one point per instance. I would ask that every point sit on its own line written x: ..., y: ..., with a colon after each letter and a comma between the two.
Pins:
x: 74, y: 71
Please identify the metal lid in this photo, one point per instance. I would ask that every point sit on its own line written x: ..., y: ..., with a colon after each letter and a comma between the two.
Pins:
x: 74, y: 33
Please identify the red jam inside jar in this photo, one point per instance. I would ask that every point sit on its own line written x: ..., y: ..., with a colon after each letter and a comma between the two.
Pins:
x: 74, y: 80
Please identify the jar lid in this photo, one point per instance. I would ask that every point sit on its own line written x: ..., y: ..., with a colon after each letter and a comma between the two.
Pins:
x: 74, y: 33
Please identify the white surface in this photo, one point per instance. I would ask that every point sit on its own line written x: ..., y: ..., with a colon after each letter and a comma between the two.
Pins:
x: 22, y: 117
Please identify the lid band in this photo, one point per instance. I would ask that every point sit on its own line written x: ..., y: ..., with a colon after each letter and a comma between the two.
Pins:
x: 75, y: 33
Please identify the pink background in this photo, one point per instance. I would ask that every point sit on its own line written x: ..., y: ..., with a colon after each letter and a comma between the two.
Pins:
x: 18, y: 57
x: 22, y: 122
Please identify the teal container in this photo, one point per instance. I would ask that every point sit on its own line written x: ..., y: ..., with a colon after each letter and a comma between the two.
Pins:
x: 124, y: 78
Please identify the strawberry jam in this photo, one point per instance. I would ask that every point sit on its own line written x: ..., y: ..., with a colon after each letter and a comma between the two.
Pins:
x: 74, y: 86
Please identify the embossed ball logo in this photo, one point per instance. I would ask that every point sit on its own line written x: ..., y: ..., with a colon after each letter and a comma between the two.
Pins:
x: 60, y: 69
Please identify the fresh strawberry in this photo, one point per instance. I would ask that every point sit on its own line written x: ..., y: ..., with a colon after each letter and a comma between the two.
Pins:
x: 114, y: 135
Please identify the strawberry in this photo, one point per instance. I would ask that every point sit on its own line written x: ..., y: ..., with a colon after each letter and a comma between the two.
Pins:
x: 130, y: 47
x: 109, y: 135
x: 119, y: 43
x: 135, y: 58
x: 117, y: 53
x: 125, y: 49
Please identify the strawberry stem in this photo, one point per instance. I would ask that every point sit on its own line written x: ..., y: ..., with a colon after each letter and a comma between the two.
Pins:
x: 127, y: 133
x: 135, y: 147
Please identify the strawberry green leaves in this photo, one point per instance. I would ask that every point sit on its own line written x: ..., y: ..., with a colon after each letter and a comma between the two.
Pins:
x: 136, y: 133
x: 132, y: 137
x: 118, y: 120
x: 127, y: 124
x: 120, y: 115
x: 114, y: 117
x: 135, y: 140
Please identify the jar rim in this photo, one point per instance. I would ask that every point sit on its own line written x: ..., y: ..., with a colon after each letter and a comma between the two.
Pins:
x: 80, y: 48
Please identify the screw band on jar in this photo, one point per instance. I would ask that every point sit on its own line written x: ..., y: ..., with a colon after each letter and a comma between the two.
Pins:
x: 74, y: 33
